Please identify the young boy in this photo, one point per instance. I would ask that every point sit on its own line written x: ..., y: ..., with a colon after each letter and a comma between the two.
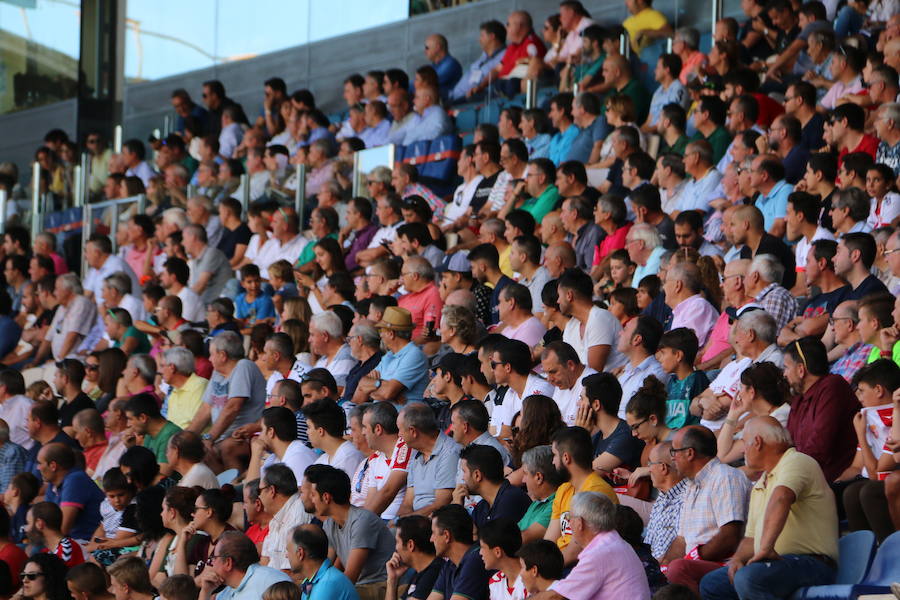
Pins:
x: 875, y: 314
x: 252, y: 306
x: 179, y: 587
x: 117, y: 529
x: 875, y: 384
x: 541, y: 564
x: 500, y: 541
x: 677, y: 350
x: 23, y: 488
x: 281, y: 277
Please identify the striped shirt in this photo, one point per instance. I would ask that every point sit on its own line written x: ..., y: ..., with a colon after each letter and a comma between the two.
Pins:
x: 717, y: 495
x: 662, y: 528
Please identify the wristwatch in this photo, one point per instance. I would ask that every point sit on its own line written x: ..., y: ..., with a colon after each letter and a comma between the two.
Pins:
x: 377, y: 383
x: 206, y: 437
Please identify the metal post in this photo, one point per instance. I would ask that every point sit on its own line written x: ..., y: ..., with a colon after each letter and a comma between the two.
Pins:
x: 191, y: 191
x: 669, y: 42
x: 166, y: 126
x: 717, y: 11
x: 3, y: 199
x: 530, y: 93
x: 87, y: 229
x: 245, y: 193
x: 35, y: 199
x: 77, y: 186
x: 156, y: 134
x: 575, y: 89
x: 300, y: 194
x: 142, y: 203
x: 624, y: 45
x: 117, y: 139
x: 114, y: 228
x: 85, y: 178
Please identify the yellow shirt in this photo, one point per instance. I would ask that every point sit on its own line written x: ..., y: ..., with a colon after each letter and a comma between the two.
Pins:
x: 184, y: 401
x: 593, y: 483
x: 505, y: 267
x: 646, y: 19
x: 812, y: 523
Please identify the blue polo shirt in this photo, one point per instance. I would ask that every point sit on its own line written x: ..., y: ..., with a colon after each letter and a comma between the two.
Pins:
x: 511, y: 503
x: 449, y: 72
x: 329, y: 583
x: 561, y: 142
x: 581, y: 147
x: 469, y: 579
x: 78, y: 490
x: 409, y: 366
x: 774, y: 204
x: 256, y: 580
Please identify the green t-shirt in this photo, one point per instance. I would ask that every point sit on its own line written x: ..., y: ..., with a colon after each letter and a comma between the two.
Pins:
x: 875, y: 354
x: 719, y: 139
x: 308, y: 252
x: 589, y: 69
x: 638, y: 94
x: 158, y: 444
x: 143, y: 342
x: 540, y: 511
x: 540, y: 206
x: 676, y: 148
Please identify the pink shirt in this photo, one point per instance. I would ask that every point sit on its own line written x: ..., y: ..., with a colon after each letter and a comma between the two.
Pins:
x: 611, y: 243
x: 59, y: 265
x: 695, y: 313
x: 690, y: 65
x: 425, y: 305
x: 607, y: 569
x: 718, y: 338
x: 137, y: 260
x: 529, y: 331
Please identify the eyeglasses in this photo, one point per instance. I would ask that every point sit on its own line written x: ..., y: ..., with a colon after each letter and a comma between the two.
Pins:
x: 637, y: 426
x: 90, y: 367
x: 196, y: 508
x: 889, y: 252
x: 834, y: 320
x: 674, y: 451
x: 495, y: 364
x: 30, y: 576
x: 650, y: 463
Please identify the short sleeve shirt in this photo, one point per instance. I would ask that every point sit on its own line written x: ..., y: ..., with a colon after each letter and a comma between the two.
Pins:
x: 438, y: 472
x: 246, y: 381
x: 601, y: 329
x: 621, y: 444
x: 409, y: 366
x: 158, y: 444
x: 362, y: 529
x: 563, y: 500
x: 510, y: 503
x: 77, y: 490
x: 539, y: 511
x: 469, y: 579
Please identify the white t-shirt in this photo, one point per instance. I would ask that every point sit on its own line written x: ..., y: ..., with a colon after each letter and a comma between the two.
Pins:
x: 801, y: 250
x: 385, y: 233
x: 200, y: 475
x: 192, y: 308
x: 462, y: 198
x: 512, y: 403
x: 382, y: 467
x: 602, y: 329
x: 347, y: 458
x: 297, y: 456
x: 296, y: 373
x: 567, y: 400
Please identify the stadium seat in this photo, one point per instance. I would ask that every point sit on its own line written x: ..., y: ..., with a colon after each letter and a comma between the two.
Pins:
x: 490, y: 112
x: 336, y: 118
x: 468, y: 139
x: 885, y: 569
x: 399, y: 153
x: 467, y: 119
x: 649, y: 56
x: 417, y: 152
x: 442, y: 156
x: 516, y: 101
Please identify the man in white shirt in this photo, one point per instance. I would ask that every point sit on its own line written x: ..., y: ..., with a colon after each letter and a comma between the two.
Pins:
x: 286, y: 242
x: 279, y: 495
x: 15, y: 407
x: 564, y: 371
x: 327, y: 422
x: 103, y: 263
x: 279, y: 437
x: 174, y: 278
x: 185, y: 454
x: 592, y: 331
x: 390, y: 468
x: 511, y: 364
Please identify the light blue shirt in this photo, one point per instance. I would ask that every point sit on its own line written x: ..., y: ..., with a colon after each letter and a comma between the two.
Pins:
x: 449, y: 72
x: 431, y: 124
x: 632, y: 378
x: 478, y: 70
x: 409, y: 366
x: 539, y: 146
x: 697, y: 194
x: 329, y: 583
x: 675, y: 94
x: 774, y: 204
x: 583, y: 144
x: 652, y: 266
x: 376, y: 136
x: 256, y: 580
x: 561, y: 142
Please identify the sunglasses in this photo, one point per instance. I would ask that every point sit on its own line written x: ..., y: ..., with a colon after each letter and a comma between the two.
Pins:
x: 30, y: 576
x: 90, y: 367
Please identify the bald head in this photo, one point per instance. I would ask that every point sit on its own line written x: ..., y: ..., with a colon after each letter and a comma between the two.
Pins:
x: 750, y: 215
x: 464, y: 298
x: 770, y: 431
x: 739, y: 266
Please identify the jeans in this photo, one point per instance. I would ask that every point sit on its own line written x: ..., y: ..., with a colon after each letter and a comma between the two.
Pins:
x: 848, y: 22
x: 765, y: 580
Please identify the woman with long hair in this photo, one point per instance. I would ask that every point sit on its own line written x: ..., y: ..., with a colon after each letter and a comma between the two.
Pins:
x: 44, y: 578
x: 177, y: 513
x: 328, y: 259
x: 764, y: 392
x: 539, y: 420
x: 645, y: 414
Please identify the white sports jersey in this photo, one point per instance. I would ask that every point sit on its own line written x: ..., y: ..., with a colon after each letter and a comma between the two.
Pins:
x: 382, y: 467
x: 499, y: 588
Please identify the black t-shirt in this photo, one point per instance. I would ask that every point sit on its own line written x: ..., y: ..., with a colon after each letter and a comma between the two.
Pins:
x: 422, y: 583
x: 869, y: 285
x: 621, y: 444
x: 811, y: 134
x: 666, y: 231
x: 482, y: 192
x: 772, y: 245
x: 234, y: 237
x: 69, y: 409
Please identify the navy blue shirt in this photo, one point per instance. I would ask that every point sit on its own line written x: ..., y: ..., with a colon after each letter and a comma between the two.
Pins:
x: 422, y: 583
x: 511, y: 503
x: 469, y: 579
x: 31, y: 457
x: 869, y: 285
x: 621, y: 444
x: 360, y: 370
x: 79, y: 491
x: 495, y: 298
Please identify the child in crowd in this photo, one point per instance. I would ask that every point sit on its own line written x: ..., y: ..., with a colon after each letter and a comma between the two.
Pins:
x: 623, y: 304
x: 542, y: 564
x: 875, y: 384
x: 40, y: 390
x: 282, y: 590
x: 281, y: 277
x: 23, y: 488
x: 621, y: 268
x: 648, y: 289
x: 252, y: 306
x: 118, y: 530
x: 676, y: 354
x: 182, y: 587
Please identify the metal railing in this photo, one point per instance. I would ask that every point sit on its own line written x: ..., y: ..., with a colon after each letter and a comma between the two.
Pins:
x: 92, y: 211
x: 4, y: 198
x: 300, y: 192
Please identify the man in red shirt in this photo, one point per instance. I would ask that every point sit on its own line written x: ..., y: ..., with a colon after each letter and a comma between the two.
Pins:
x: 522, y: 44
x: 844, y: 130
x: 423, y: 300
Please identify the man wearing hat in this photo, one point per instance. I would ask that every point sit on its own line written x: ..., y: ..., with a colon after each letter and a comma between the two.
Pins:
x: 402, y: 374
x: 456, y: 274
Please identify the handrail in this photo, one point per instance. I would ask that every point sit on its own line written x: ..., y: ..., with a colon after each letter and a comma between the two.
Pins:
x: 245, y: 193
x: 4, y: 196
x: 89, y: 209
x: 300, y: 192
x: 36, y: 224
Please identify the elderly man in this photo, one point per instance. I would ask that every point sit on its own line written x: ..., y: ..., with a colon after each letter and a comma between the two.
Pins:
x: 577, y: 216
x: 236, y: 566
x: 763, y: 283
x: 210, y: 269
x: 234, y: 397
x: 186, y: 388
x: 402, y: 374
x: 433, y: 469
x: 689, y: 308
x: 286, y: 242
x: 753, y: 336
x: 200, y: 211
x: 662, y: 526
x: 645, y: 250
x: 326, y: 340
x: 116, y: 293
x: 103, y: 263
x: 887, y: 127
x: 422, y: 300
x: 718, y: 494
x: 791, y: 539
x: 448, y: 69
x: 280, y: 497
x: 74, y: 318
x: 184, y: 453
x: 607, y: 565
x: 431, y: 121
x: 89, y: 431
x: 519, y: 323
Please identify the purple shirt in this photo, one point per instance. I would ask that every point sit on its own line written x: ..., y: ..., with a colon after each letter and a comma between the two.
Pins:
x: 360, y: 241
x: 607, y: 569
x: 697, y: 314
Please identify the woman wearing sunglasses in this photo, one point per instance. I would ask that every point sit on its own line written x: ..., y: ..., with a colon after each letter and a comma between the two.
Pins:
x: 44, y: 578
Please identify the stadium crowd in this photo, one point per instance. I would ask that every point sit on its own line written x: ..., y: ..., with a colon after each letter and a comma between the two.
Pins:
x: 643, y: 341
